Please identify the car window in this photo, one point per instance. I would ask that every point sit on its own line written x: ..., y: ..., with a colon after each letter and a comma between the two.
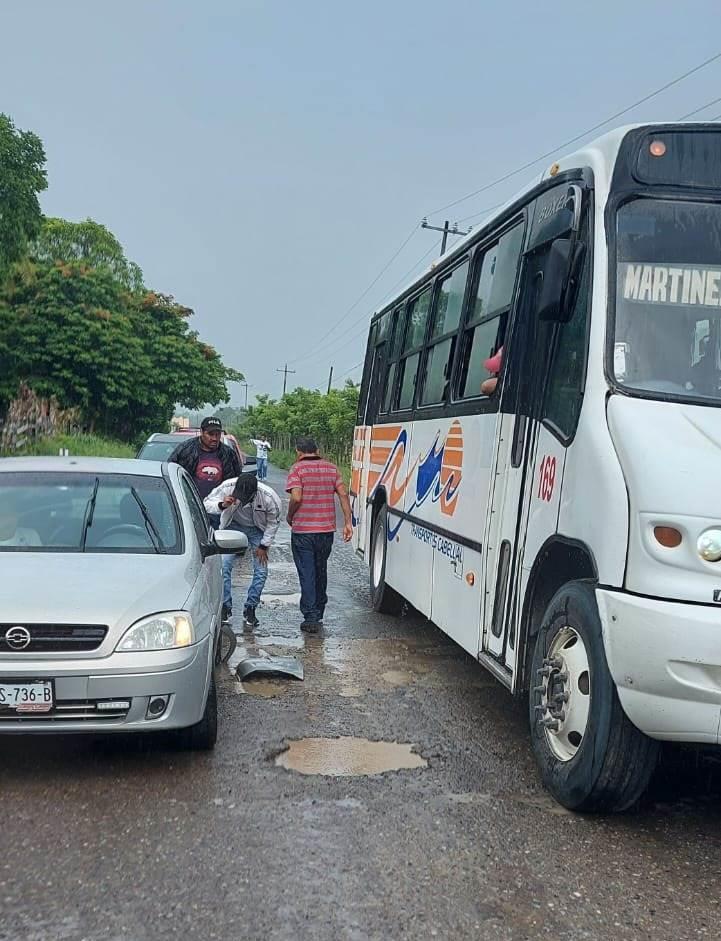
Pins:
x: 157, y: 450
x: 70, y: 512
x: 201, y: 523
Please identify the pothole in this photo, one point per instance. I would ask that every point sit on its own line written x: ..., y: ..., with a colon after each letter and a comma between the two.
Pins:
x: 348, y: 757
x: 397, y: 677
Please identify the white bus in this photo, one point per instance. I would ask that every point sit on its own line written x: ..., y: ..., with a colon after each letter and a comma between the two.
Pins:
x: 564, y: 527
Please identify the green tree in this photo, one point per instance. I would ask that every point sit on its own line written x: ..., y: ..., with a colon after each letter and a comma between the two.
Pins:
x: 89, y: 242
x: 124, y: 359
x: 22, y: 177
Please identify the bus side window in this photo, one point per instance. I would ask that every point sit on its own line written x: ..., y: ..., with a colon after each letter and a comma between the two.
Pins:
x: 495, y: 273
x: 394, y: 333
x: 444, y: 330
x: 564, y: 394
x: 414, y: 335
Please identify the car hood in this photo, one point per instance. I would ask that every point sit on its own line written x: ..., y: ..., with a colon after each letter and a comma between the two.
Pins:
x: 91, y: 588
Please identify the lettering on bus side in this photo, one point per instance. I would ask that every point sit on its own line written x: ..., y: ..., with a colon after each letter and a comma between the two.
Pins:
x: 440, y: 544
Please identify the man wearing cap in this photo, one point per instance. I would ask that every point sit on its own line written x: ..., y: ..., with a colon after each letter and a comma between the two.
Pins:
x: 252, y: 508
x: 208, y: 461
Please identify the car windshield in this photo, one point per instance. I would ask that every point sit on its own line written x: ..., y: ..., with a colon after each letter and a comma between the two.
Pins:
x: 157, y: 450
x: 49, y: 512
x: 668, y: 301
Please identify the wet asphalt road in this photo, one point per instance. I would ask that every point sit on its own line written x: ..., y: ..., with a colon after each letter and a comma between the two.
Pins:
x: 129, y: 840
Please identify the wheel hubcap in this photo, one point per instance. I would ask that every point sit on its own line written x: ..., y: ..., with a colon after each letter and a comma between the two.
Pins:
x: 564, y: 693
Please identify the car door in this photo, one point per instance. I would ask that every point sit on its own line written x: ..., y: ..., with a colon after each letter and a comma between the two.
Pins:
x: 206, y: 595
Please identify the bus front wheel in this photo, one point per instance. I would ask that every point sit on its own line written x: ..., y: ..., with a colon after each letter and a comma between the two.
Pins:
x: 385, y: 599
x: 591, y: 757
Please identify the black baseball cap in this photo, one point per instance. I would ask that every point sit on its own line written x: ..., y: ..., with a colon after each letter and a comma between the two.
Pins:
x: 211, y: 424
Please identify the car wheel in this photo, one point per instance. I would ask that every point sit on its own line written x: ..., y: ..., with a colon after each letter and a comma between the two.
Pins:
x: 203, y: 735
x: 591, y: 757
x: 385, y: 599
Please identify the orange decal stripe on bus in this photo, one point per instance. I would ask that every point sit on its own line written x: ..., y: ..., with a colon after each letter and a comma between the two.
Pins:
x: 385, y: 433
x: 453, y: 460
x: 373, y: 478
x: 379, y: 455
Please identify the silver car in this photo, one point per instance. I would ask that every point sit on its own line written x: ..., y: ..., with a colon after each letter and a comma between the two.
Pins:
x: 110, y: 599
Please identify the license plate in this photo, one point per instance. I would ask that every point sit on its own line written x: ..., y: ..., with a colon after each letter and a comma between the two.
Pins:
x: 36, y: 696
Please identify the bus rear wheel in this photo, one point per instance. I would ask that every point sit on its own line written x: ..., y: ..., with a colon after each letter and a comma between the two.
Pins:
x: 385, y: 599
x: 591, y: 757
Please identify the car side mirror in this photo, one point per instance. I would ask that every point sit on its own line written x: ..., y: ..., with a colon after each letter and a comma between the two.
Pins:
x: 226, y: 541
x: 561, y: 274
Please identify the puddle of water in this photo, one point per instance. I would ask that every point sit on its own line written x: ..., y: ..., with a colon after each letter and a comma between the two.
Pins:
x: 397, y: 677
x: 267, y: 689
x: 347, y: 757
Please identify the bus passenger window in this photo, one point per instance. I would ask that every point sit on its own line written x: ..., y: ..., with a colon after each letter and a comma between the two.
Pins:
x: 441, y: 352
x: 495, y: 274
x: 415, y: 332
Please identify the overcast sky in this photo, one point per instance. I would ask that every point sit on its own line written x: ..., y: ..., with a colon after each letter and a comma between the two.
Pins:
x: 263, y: 161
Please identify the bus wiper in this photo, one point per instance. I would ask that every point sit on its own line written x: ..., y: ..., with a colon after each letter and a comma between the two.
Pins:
x: 89, y: 514
x: 158, y: 544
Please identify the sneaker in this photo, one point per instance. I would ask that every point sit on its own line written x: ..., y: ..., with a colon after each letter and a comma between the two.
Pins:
x: 311, y: 627
x: 227, y: 613
x: 249, y: 616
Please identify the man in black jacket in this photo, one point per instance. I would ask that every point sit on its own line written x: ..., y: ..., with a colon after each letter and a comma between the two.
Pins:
x: 208, y: 461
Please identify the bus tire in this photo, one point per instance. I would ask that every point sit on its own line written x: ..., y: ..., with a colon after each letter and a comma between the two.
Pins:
x: 384, y: 598
x: 591, y: 757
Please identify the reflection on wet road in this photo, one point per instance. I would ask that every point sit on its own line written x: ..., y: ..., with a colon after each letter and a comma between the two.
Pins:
x: 131, y: 840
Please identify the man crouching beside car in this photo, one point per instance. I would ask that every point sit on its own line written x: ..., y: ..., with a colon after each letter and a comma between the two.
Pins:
x: 252, y: 508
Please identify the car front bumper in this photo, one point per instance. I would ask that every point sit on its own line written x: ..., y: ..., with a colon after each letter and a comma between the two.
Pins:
x: 665, y: 659
x: 84, y: 687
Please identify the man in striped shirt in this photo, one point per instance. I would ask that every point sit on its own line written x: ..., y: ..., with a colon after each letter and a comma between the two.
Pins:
x: 313, y: 484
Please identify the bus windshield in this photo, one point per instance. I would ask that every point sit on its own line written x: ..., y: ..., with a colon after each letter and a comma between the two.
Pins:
x: 667, y: 338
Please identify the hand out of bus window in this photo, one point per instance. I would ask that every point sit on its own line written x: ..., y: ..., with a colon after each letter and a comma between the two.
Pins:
x: 493, y: 365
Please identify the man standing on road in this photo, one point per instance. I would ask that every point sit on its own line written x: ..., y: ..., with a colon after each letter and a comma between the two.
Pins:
x: 252, y: 508
x: 208, y: 461
x: 262, y: 446
x: 313, y: 484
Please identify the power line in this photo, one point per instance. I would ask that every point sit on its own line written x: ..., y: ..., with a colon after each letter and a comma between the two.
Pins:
x: 702, y: 108
x: 364, y: 294
x: 573, y: 140
x: 344, y: 374
x: 326, y: 351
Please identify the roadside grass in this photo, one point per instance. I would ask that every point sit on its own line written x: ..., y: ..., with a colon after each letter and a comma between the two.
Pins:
x: 77, y: 445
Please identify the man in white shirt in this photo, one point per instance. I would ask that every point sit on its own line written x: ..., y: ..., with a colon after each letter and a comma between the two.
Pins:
x: 262, y: 446
x: 252, y: 508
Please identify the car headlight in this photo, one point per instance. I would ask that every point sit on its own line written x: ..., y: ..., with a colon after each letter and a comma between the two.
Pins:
x: 709, y: 545
x: 159, y: 632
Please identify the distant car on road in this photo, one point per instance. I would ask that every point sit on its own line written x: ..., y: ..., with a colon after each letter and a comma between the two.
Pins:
x: 159, y: 447
x: 111, y: 612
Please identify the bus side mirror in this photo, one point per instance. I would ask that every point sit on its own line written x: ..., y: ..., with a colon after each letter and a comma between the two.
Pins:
x: 561, y: 274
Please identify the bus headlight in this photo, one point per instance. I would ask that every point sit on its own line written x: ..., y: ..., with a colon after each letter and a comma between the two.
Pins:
x: 709, y: 545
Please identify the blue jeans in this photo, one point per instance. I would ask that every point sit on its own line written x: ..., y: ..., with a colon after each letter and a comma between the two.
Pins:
x: 261, y: 464
x: 310, y: 554
x: 260, y: 572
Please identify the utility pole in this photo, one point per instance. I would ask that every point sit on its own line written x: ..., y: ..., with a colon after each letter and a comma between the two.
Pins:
x: 245, y: 386
x: 285, y: 372
x: 330, y: 380
x: 445, y: 229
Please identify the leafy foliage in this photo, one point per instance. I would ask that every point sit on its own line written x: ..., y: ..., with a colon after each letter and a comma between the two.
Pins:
x: 124, y: 359
x: 89, y: 242
x: 329, y: 419
x: 22, y: 177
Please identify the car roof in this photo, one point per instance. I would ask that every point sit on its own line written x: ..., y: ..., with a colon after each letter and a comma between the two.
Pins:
x: 166, y: 438
x: 81, y: 465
